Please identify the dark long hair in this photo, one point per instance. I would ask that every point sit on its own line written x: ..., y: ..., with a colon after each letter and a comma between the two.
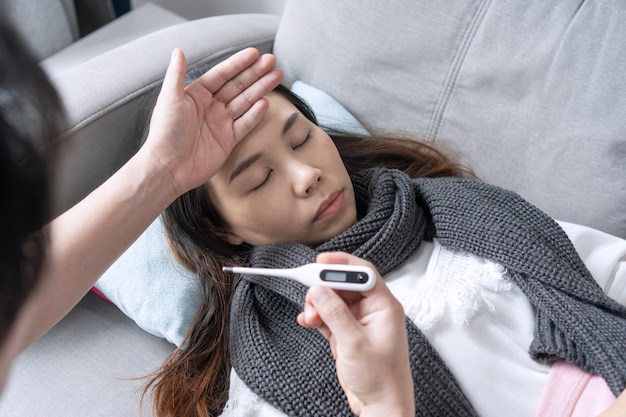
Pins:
x: 194, y: 380
x: 30, y: 120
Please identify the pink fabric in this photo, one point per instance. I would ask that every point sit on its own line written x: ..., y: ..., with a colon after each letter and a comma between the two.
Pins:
x: 571, y: 392
x: 100, y: 294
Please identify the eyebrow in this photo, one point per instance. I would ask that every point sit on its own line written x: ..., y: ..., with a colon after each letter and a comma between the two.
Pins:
x: 245, y: 164
x: 288, y: 123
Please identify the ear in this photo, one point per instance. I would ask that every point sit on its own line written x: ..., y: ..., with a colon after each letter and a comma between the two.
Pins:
x: 229, y: 237
x: 223, y: 233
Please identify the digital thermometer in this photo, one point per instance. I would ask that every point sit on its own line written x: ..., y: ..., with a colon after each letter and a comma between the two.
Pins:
x: 339, y: 277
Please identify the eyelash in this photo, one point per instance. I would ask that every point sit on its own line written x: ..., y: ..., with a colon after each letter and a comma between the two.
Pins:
x: 306, y: 139
x: 266, y: 179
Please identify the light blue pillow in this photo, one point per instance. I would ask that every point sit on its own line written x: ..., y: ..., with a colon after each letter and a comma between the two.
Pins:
x: 148, y: 283
x: 151, y: 287
x: 331, y: 115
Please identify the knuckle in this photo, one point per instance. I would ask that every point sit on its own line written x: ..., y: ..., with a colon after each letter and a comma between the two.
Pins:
x: 333, y: 311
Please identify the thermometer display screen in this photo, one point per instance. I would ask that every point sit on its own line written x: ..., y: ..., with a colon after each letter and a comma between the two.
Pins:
x: 335, y: 276
x: 355, y: 277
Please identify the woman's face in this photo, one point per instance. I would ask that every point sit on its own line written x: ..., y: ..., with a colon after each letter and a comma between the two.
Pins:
x: 284, y: 182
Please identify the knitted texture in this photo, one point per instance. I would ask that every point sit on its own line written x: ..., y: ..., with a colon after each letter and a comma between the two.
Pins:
x: 292, y: 367
x: 576, y: 321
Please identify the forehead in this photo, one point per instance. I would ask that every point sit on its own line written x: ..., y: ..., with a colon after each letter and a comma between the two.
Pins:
x: 264, y: 134
x: 278, y: 106
x: 279, y: 111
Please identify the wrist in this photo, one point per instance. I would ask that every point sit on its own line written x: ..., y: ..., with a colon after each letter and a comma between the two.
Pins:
x: 155, y: 176
x: 398, y: 400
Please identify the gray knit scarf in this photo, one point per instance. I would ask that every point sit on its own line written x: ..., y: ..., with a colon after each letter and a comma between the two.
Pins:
x: 292, y: 368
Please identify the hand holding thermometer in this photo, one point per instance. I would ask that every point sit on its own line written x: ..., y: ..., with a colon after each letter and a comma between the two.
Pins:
x: 339, y: 277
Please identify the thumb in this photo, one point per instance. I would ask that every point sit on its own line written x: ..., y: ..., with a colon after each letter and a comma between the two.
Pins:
x: 334, y: 313
x: 174, y: 80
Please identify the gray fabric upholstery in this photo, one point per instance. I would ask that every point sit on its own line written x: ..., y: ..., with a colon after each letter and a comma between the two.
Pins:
x: 531, y: 92
x: 46, y: 26
x: 140, y: 21
x: 85, y: 367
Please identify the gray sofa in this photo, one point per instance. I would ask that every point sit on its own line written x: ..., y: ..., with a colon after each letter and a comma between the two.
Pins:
x: 530, y: 93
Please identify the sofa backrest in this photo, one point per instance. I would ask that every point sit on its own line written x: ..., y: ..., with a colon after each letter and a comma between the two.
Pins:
x: 46, y: 26
x: 530, y: 92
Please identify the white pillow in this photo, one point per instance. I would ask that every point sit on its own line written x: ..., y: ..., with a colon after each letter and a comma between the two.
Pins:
x: 151, y: 287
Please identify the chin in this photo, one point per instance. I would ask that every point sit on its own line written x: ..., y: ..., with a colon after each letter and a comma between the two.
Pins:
x: 336, y: 229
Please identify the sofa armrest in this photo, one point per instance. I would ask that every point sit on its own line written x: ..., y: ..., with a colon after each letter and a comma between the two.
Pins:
x: 139, y: 22
x: 108, y: 99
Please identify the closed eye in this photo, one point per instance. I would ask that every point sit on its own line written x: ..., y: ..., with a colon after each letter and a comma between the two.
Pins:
x: 306, y: 139
x: 265, y: 180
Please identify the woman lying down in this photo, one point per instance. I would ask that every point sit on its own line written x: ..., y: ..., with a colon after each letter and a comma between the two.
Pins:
x: 505, y: 317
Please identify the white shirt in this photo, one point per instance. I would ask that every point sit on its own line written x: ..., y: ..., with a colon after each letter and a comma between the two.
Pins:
x: 480, y: 323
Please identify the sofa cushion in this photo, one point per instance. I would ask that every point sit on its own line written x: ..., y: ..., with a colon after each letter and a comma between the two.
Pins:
x: 529, y: 91
x: 87, y: 365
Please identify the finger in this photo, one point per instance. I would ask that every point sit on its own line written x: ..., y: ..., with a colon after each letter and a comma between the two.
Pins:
x: 350, y: 297
x: 317, y: 323
x: 223, y: 72
x: 325, y: 331
x: 301, y: 321
x: 311, y: 319
x: 174, y: 80
x: 242, y: 102
x: 246, y: 78
x: 244, y: 124
x: 341, y: 258
x: 335, y: 314
x: 310, y: 316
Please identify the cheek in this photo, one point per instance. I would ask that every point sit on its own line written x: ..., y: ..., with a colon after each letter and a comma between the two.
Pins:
x: 330, y: 156
x: 225, y: 202
x: 257, y: 215
x: 264, y: 214
x: 267, y: 228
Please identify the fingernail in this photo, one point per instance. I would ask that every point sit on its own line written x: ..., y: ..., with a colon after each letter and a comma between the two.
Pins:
x: 175, y: 55
x: 309, y: 311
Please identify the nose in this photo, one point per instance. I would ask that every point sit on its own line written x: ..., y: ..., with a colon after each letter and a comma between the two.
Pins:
x: 306, y: 179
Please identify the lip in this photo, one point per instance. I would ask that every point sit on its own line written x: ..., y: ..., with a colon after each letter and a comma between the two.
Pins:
x: 330, y: 206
